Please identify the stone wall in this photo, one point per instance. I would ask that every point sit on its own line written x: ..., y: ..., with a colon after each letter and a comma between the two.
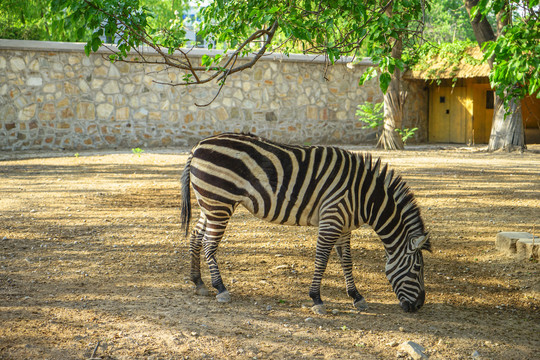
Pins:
x: 415, y: 111
x: 54, y: 97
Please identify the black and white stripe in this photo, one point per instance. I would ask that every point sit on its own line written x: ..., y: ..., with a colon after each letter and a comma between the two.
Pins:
x: 328, y: 187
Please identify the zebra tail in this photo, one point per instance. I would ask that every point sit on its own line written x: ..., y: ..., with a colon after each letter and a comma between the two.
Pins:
x: 185, y: 210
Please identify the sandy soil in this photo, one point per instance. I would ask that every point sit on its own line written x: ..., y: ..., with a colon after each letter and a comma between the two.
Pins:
x: 93, y: 265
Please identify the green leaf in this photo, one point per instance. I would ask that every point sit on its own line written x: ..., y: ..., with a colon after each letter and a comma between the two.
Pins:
x: 206, y: 60
x: 87, y: 49
x: 384, y: 81
x: 96, y: 43
x: 369, y: 74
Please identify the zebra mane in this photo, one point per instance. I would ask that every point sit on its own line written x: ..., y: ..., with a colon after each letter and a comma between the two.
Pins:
x: 393, y: 183
x: 396, y: 187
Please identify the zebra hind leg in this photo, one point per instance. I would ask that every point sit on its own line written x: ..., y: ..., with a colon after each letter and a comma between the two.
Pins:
x: 344, y: 253
x: 212, y: 237
x: 195, y: 246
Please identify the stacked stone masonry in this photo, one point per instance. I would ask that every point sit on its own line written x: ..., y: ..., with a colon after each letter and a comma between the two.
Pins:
x: 52, y: 96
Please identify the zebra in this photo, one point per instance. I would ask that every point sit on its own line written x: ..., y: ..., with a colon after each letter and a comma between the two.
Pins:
x: 323, y: 186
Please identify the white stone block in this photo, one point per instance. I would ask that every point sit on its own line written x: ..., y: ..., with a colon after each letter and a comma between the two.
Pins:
x: 104, y: 111
x: 111, y: 87
x: 506, y: 241
x: 528, y: 248
x: 17, y: 64
x: 34, y: 81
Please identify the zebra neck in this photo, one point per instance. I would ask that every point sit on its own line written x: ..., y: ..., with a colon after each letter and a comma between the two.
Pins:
x: 386, y: 204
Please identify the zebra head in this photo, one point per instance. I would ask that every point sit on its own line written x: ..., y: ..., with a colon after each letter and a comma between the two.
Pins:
x: 405, y: 271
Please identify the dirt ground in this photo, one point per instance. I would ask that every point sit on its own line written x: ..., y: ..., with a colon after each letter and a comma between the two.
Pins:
x: 93, y: 265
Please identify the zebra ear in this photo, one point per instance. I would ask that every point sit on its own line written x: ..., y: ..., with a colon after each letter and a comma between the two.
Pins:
x: 420, y: 242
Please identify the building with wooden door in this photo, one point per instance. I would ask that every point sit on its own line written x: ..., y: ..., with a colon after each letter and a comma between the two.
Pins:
x: 461, y: 102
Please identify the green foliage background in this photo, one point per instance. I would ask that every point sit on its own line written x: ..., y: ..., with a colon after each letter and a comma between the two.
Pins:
x: 447, y: 20
x: 23, y: 19
x: 41, y: 20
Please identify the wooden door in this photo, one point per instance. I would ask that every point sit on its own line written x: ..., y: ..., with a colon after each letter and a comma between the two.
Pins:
x: 449, y: 115
x: 483, y: 113
x: 439, y: 115
x: 459, y: 115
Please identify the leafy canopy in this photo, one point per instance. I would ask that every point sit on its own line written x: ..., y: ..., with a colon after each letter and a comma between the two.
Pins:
x: 332, y: 28
x: 515, y: 52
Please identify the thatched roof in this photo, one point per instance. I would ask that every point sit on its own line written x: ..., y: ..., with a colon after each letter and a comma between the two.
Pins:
x: 470, y: 66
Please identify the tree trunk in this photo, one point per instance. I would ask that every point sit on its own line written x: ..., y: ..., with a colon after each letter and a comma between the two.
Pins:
x: 507, y: 133
x: 393, y: 105
x: 393, y: 115
x: 481, y: 27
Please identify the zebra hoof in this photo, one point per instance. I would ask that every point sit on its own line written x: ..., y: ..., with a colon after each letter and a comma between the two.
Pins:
x: 361, y: 305
x: 319, y: 309
x: 223, y: 297
x: 201, y: 290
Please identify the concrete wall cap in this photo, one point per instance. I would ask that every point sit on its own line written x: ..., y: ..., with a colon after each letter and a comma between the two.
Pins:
x: 33, y: 45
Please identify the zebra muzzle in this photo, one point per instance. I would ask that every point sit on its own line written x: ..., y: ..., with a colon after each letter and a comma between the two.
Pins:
x: 413, y: 306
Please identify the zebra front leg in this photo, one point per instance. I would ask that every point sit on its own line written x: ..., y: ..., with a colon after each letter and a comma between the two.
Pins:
x: 212, y: 237
x: 344, y: 253
x: 195, y: 246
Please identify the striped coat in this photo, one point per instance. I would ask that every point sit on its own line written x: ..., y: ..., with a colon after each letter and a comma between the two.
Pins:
x: 328, y: 187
